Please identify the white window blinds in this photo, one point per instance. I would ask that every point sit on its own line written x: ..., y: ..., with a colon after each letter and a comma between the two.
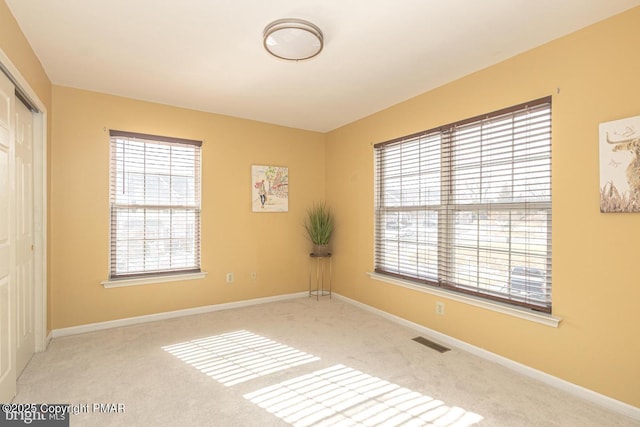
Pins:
x: 467, y: 206
x: 155, y: 205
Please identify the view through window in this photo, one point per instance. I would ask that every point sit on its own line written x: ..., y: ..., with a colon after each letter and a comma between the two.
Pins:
x: 467, y: 206
x: 155, y: 205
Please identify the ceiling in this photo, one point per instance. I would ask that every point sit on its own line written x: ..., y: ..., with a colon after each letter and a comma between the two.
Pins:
x: 207, y: 54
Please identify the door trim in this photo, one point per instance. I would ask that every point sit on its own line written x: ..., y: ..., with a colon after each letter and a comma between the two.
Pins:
x: 42, y: 335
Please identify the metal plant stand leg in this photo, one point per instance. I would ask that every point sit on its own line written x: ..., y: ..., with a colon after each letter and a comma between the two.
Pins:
x: 320, y: 275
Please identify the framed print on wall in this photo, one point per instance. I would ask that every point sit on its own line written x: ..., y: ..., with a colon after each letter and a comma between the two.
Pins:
x: 620, y: 165
x: 270, y: 188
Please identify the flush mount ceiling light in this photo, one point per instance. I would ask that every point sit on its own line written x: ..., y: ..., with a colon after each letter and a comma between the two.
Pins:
x: 293, y: 39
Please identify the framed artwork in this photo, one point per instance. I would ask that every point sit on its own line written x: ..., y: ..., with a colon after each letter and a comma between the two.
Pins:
x: 270, y: 188
x: 620, y: 165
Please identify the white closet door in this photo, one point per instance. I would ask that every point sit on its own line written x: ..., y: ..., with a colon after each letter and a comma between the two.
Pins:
x: 25, y: 315
x: 7, y: 248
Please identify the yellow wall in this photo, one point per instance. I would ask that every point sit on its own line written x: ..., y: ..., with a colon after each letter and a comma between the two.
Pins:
x: 595, y: 258
x: 233, y: 238
x: 14, y: 44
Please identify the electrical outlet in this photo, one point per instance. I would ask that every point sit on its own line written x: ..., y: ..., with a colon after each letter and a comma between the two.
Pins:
x: 229, y: 277
x: 440, y: 308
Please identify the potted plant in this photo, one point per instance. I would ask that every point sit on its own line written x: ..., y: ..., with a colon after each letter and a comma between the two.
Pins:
x: 319, y: 226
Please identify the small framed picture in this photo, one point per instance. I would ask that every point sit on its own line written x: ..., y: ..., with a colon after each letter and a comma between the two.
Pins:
x: 620, y: 165
x: 270, y: 188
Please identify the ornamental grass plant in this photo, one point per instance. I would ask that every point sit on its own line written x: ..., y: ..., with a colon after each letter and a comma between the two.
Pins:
x: 319, y: 224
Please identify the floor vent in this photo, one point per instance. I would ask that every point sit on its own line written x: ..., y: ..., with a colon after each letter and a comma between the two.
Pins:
x: 431, y: 344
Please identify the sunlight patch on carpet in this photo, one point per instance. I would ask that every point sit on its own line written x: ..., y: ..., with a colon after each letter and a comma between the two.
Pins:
x: 238, y: 356
x: 342, y: 396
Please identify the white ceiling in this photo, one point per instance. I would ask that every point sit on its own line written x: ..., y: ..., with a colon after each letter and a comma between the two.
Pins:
x: 207, y: 54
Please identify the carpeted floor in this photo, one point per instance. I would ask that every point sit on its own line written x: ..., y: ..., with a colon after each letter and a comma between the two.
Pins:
x: 299, y: 362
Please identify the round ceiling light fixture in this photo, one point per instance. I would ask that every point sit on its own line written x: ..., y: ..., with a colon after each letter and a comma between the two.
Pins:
x: 293, y: 39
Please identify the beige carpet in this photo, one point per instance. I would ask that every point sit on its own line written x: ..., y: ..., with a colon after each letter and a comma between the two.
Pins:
x: 300, y: 362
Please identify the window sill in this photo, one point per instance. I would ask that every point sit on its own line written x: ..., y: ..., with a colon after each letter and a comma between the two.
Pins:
x: 152, y: 279
x: 530, y: 315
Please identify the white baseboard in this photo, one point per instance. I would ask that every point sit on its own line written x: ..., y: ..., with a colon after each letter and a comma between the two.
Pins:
x: 574, y: 389
x: 92, y: 327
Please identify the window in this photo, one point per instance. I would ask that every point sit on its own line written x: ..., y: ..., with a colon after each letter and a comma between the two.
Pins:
x: 155, y: 205
x: 467, y: 206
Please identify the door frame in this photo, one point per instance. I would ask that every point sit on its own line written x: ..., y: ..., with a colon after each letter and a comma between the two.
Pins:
x: 40, y: 118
